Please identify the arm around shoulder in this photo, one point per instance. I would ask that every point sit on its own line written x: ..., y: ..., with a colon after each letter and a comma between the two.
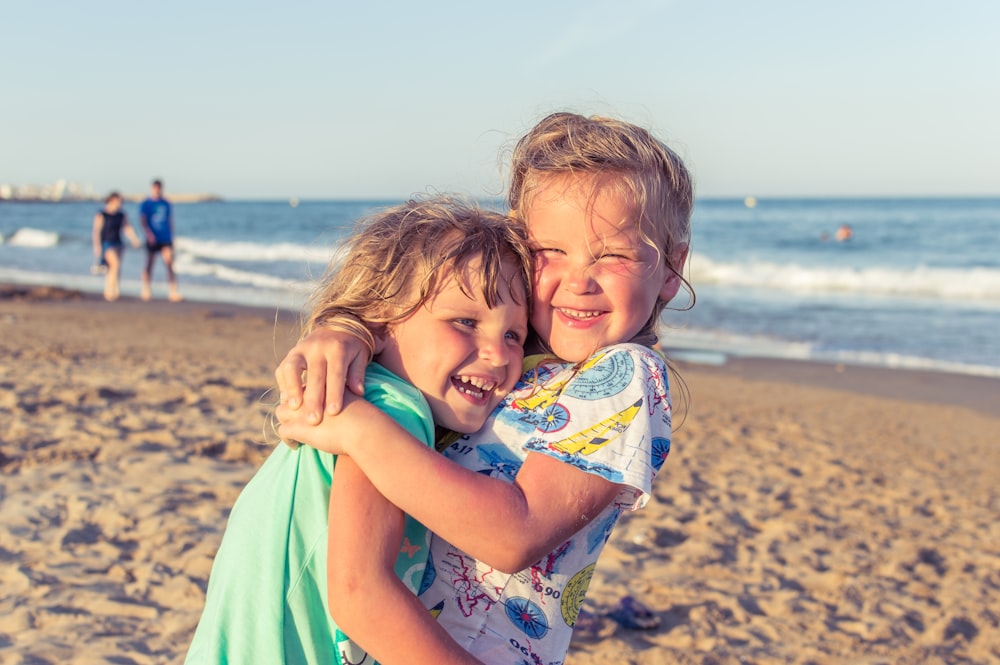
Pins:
x: 507, y: 525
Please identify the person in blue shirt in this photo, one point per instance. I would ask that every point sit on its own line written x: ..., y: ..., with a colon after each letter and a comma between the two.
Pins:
x: 157, y: 218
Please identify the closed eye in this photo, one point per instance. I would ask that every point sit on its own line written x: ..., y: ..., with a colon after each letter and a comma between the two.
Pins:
x: 617, y: 256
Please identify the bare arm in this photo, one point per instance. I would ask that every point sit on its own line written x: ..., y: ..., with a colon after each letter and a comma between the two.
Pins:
x: 507, y: 525
x: 98, y: 225
x: 130, y: 232
x: 334, y: 359
x: 365, y: 594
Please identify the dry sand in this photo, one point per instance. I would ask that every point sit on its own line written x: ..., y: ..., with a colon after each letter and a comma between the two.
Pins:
x: 806, y: 514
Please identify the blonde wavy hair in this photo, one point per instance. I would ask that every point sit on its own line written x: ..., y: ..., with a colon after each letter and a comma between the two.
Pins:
x: 623, y: 159
x: 398, y: 258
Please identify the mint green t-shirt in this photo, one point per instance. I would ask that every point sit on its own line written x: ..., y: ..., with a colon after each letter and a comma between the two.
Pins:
x: 267, y: 598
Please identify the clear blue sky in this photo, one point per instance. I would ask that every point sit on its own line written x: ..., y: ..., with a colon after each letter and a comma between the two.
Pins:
x: 333, y: 99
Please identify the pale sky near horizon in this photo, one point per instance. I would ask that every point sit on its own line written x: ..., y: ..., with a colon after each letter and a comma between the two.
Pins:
x: 328, y: 100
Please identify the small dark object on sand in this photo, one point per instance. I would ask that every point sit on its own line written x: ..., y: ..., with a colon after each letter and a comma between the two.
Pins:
x: 632, y: 614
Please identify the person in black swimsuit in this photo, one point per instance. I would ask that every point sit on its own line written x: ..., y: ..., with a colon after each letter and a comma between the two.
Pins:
x: 109, y: 224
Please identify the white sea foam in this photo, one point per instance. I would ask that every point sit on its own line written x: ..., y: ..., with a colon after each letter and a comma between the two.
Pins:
x: 28, y: 237
x: 975, y: 284
x: 711, y: 347
x: 254, y: 251
x: 188, y: 264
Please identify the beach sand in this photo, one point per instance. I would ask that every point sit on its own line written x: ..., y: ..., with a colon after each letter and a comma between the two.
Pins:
x: 807, y: 513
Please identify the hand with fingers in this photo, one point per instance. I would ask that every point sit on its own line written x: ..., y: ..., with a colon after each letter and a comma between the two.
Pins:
x: 313, y: 374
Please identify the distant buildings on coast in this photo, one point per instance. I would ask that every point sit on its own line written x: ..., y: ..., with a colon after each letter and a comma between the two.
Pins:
x: 64, y: 191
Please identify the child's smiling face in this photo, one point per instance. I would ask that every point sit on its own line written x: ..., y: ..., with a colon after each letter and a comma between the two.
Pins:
x: 596, y: 281
x: 461, y: 354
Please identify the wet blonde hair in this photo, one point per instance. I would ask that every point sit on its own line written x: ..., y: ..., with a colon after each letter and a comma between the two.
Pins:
x: 398, y: 258
x: 622, y: 159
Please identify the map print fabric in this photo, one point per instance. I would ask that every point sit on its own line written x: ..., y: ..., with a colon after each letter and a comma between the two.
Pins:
x: 609, y: 416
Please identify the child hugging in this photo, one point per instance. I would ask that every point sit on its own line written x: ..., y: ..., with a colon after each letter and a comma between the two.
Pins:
x: 312, y: 552
x: 520, y: 510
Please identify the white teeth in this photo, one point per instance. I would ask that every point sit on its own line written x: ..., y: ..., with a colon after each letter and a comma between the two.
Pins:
x: 475, y: 385
x: 578, y: 314
x: 475, y: 393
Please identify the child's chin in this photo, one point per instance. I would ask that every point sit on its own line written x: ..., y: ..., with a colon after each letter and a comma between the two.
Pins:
x: 468, y: 425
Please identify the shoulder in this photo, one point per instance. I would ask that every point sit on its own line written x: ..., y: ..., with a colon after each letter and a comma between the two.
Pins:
x: 609, y: 415
x: 400, y: 400
x: 380, y: 383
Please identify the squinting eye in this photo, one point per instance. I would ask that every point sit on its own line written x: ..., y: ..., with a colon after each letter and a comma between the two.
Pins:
x: 468, y: 323
x: 513, y: 336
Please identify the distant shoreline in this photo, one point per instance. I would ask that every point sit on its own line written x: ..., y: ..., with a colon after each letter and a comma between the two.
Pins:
x: 132, y: 198
x: 209, y: 198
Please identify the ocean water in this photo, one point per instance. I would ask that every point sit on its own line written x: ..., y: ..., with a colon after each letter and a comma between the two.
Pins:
x: 917, y: 286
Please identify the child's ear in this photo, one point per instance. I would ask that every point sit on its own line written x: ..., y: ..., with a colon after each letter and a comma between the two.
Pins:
x: 673, y: 281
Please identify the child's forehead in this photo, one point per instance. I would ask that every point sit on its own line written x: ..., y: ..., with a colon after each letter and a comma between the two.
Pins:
x: 563, y: 207
x: 587, y: 193
x: 574, y: 185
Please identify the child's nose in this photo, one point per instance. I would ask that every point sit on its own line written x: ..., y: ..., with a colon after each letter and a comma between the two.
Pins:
x: 580, y: 279
x: 495, y: 352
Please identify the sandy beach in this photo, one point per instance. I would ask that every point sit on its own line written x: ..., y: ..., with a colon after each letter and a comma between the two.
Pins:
x: 807, y: 513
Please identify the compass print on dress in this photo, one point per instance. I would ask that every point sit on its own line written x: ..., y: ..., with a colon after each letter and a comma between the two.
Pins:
x: 527, y: 616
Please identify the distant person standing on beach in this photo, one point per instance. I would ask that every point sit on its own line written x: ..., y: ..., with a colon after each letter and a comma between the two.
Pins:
x: 108, y: 247
x: 156, y: 215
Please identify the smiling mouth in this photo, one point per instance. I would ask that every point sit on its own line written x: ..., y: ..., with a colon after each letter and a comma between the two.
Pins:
x: 579, y: 314
x: 474, y: 386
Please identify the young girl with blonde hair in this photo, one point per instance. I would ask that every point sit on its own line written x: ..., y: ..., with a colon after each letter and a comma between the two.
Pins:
x: 313, y: 553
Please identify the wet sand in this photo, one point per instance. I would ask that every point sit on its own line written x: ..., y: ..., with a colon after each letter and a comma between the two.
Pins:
x: 807, y: 513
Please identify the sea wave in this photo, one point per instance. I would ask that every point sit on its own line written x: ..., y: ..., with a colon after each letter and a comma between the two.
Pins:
x: 253, y: 251
x: 712, y: 347
x: 189, y: 264
x: 28, y: 237
x: 972, y: 284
